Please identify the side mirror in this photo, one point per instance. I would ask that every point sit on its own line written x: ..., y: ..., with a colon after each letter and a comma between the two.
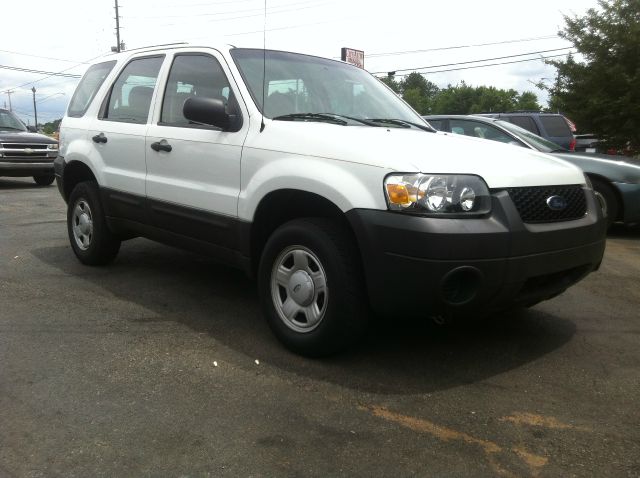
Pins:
x: 32, y: 129
x: 209, y: 111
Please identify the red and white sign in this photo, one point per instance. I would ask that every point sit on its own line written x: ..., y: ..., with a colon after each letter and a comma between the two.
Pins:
x: 355, y: 57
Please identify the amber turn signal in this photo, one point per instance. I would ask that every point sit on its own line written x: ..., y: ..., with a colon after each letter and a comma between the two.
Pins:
x: 398, y: 194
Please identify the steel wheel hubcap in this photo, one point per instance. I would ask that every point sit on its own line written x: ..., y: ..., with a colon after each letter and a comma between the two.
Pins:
x: 299, y: 289
x: 82, y: 224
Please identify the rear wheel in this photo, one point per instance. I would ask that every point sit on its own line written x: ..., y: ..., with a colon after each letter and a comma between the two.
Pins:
x: 44, y: 180
x: 311, y: 287
x: 607, y: 199
x: 91, y: 240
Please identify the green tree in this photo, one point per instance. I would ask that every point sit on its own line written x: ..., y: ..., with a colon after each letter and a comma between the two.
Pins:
x: 463, y: 99
x: 528, y: 101
x: 391, y: 82
x: 51, y: 126
x: 419, y: 92
x: 600, y: 90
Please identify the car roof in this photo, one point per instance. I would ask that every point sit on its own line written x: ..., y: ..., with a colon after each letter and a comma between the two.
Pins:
x: 485, y: 119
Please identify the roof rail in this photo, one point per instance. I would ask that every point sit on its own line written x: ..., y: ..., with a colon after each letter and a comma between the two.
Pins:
x: 157, y: 46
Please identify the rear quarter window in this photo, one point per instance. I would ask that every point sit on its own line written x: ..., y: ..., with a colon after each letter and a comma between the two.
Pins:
x: 88, y: 87
x: 555, y: 126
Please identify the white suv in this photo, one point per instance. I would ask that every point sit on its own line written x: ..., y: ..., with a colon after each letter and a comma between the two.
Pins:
x: 313, y: 176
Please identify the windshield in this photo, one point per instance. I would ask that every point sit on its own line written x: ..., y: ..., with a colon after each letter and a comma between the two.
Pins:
x: 308, y: 88
x: 539, y: 143
x: 9, y: 121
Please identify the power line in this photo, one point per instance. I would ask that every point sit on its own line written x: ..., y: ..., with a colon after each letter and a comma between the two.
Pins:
x: 214, y: 20
x: 38, y: 56
x: 40, y: 72
x: 50, y: 74
x: 280, y: 9
x: 473, y: 61
x: 456, y: 47
x: 483, y: 66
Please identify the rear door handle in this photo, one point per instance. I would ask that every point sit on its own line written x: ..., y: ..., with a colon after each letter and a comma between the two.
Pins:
x: 162, y: 145
x: 99, y: 138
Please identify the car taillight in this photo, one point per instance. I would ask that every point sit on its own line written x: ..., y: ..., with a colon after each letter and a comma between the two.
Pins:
x: 572, y: 144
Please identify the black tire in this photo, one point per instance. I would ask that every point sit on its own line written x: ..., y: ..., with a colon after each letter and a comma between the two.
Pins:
x: 328, y: 248
x: 91, y: 240
x: 608, y: 199
x: 45, y: 180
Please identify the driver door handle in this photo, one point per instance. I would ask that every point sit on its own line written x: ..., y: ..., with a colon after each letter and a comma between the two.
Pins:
x: 162, y: 145
x: 99, y: 138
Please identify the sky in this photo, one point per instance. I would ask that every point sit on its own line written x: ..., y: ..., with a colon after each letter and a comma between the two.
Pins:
x: 401, y: 35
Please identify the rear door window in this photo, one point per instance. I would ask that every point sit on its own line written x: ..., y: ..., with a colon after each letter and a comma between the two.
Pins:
x: 88, y: 87
x: 479, y: 130
x: 525, y: 122
x: 130, y: 96
x: 556, y: 126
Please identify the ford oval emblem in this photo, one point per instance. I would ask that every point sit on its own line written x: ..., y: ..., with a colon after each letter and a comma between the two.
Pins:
x: 556, y: 203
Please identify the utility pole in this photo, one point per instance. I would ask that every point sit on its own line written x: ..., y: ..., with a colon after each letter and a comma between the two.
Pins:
x: 35, y: 111
x: 9, y: 95
x: 118, y: 44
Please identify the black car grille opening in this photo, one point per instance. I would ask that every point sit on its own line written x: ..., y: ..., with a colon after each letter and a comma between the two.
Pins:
x: 531, y: 203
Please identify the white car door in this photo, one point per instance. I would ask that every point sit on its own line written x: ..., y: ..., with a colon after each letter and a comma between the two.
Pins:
x: 193, y: 171
x: 118, y: 137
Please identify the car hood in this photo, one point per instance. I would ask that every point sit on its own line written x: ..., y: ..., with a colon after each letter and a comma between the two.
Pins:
x: 413, y: 150
x: 25, y: 137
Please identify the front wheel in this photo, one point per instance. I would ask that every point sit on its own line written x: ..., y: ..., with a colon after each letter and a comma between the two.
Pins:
x: 311, y: 287
x: 91, y: 240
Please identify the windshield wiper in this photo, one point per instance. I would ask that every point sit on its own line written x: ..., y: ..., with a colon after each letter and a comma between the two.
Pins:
x: 366, y: 121
x: 321, y: 117
x: 11, y: 128
x: 402, y: 123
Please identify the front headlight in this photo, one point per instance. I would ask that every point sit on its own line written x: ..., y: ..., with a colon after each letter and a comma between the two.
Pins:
x: 437, y: 194
x: 52, y: 146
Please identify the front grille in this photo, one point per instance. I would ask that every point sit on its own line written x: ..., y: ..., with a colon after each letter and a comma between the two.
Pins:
x: 24, y: 151
x: 24, y: 145
x: 531, y: 203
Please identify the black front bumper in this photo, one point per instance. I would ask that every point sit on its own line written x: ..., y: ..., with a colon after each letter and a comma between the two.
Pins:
x: 429, y: 266
x: 24, y: 168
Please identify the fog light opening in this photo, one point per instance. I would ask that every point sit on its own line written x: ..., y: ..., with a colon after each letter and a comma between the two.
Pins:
x: 461, y: 285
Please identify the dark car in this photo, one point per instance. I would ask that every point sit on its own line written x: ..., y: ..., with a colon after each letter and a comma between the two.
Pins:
x: 24, y: 152
x: 552, y: 126
x: 588, y: 143
x: 616, y: 179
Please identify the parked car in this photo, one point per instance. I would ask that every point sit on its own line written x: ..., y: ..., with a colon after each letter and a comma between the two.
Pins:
x: 315, y: 178
x: 615, y: 179
x: 24, y: 152
x: 552, y: 126
x: 587, y: 143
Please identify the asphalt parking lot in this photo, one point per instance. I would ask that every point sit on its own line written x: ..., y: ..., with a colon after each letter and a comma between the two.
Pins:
x: 160, y: 365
